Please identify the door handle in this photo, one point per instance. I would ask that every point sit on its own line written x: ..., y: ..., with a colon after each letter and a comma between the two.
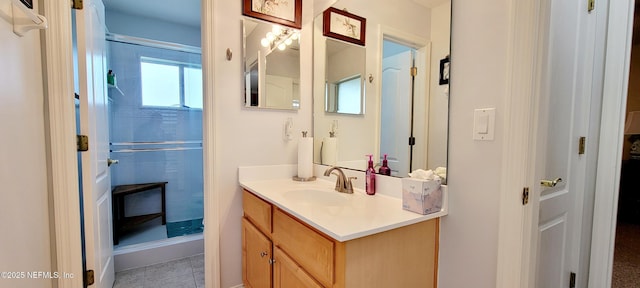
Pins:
x: 262, y: 254
x: 111, y: 162
x: 550, y: 183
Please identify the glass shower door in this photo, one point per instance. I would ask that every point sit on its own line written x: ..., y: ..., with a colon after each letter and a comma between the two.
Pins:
x: 156, y: 134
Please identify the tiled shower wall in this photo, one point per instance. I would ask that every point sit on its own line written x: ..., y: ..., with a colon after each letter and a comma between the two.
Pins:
x: 175, y: 155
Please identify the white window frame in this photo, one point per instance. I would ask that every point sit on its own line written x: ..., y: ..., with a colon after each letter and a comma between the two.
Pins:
x: 181, y: 66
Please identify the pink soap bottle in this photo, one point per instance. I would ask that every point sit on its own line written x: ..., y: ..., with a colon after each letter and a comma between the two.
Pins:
x: 385, y: 170
x: 370, y: 177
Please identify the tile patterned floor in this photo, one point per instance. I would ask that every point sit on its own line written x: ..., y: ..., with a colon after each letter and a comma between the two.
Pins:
x: 181, y: 273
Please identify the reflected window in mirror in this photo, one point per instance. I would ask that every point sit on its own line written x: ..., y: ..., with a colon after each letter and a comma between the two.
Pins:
x: 271, y: 65
x: 345, y: 96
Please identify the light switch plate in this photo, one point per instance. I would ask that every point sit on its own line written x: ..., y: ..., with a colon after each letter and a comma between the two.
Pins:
x: 484, y: 124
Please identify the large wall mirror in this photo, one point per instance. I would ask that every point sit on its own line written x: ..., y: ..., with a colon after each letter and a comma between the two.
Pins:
x: 271, y: 65
x: 404, y: 93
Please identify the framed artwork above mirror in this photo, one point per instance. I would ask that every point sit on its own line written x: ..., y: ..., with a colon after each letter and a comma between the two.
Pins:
x: 283, y: 12
x: 345, y: 26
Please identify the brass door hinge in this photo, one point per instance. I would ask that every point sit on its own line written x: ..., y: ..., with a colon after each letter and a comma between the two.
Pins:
x: 591, y: 5
x: 581, y: 145
x: 89, y: 278
x: 525, y: 196
x: 82, y: 143
x: 77, y: 4
x: 414, y: 71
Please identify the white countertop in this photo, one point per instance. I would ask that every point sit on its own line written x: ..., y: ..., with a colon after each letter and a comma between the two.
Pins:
x: 342, y: 216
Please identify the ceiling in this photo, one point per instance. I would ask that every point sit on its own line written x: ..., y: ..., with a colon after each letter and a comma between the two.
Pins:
x: 185, y: 12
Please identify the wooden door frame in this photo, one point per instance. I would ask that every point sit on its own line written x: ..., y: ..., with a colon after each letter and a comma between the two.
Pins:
x: 614, y: 102
x: 61, y: 142
x: 515, y: 268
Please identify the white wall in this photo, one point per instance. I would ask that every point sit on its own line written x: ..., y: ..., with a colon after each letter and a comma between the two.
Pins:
x: 245, y: 136
x: 469, y: 234
x: 24, y: 199
x: 126, y: 24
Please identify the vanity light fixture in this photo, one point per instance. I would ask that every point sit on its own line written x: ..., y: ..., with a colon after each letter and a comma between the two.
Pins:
x: 280, y: 37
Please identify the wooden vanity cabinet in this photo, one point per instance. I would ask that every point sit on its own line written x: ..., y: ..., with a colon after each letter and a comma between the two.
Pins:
x: 304, y: 257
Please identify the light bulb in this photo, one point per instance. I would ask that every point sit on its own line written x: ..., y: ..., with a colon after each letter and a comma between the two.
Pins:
x: 295, y: 36
x: 281, y: 46
x: 288, y: 41
x: 276, y: 30
x: 264, y: 42
x: 270, y: 36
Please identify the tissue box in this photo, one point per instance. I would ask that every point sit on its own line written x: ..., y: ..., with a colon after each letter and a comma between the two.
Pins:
x: 421, y: 196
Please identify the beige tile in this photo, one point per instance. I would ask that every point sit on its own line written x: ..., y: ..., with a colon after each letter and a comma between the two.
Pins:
x: 169, y: 269
x: 181, y: 281
x: 133, y: 278
x: 199, y: 277
x: 197, y: 263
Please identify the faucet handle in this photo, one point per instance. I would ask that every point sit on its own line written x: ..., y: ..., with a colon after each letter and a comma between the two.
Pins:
x: 349, y: 184
x: 340, y: 181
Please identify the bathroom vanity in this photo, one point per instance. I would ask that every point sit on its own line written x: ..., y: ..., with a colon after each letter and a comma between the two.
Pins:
x: 308, y: 235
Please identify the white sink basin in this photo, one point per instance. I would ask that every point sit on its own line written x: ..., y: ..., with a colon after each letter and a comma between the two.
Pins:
x: 324, y: 197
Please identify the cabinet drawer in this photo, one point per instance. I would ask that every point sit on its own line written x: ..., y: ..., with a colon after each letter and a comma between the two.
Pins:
x: 312, y: 251
x: 257, y: 210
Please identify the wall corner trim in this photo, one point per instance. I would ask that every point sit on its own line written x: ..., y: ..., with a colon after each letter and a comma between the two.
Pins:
x: 60, y: 124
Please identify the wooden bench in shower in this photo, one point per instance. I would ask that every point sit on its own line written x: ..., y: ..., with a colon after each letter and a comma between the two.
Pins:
x: 122, y: 223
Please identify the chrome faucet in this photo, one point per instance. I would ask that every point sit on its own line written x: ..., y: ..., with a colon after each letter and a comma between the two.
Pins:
x: 343, y: 183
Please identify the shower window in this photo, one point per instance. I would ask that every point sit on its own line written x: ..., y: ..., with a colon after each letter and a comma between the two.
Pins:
x: 348, y: 92
x: 170, y: 84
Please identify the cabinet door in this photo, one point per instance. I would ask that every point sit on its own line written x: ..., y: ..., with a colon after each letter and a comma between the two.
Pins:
x: 287, y: 274
x: 256, y: 255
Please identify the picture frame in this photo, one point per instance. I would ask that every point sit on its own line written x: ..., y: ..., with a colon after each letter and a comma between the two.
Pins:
x: 344, y: 26
x: 444, y: 71
x: 28, y: 3
x: 284, y: 12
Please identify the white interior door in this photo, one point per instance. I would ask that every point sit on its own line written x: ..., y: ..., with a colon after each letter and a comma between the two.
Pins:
x: 96, y: 179
x: 395, y: 115
x: 562, y: 120
x: 279, y: 91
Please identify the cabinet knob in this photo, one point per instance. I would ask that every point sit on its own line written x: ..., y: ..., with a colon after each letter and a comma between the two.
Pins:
x: 262, y: 254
